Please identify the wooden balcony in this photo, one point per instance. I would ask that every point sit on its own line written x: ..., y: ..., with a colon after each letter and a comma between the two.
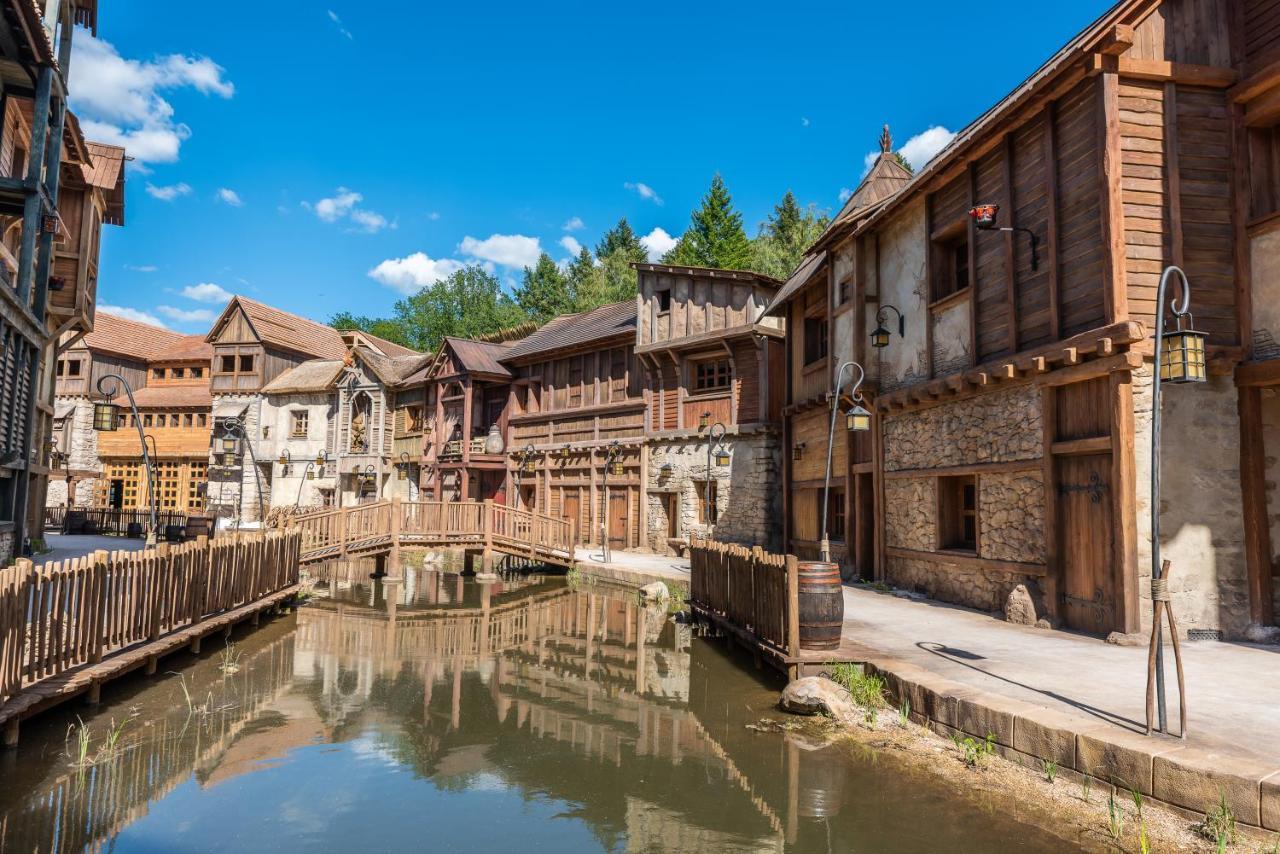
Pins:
x: 453, y: 450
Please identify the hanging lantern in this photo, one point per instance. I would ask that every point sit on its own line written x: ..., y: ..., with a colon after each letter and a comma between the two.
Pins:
x: 722, y: 456
x: 797, y: 451
x: 984, y: 216
x: 564, y: 452
x: 857, y: 419
x: 284, y: 460
x: 880, y: 337
x: 402, y: 473
x: 704, y: 420
x: 665, y: 470
x: 106, y: 417
x: 615, y: 468
x: 1182, y: 357
x: 228, y: 444
x: 320, y: 460
x: 311, y: 474
x: 529, y: 466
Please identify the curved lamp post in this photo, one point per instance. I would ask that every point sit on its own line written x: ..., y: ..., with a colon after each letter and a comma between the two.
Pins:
x: 611, y: 466
x: 857, y: 420
x: 402, y: 467
x: 526, y: 463
x: 714, y: 440
x: 106, y: 419
x: 234, y: 431
x: 309, y: 473
x: 881, y: 336
x: 1179, y: 358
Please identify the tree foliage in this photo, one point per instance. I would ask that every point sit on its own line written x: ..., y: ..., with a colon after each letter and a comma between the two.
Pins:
x: 621, y: 240
x: 784, y: 237
x: 545, y: 291
x: 715, y: 237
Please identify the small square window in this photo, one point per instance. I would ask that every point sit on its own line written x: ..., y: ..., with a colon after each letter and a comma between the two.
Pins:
x: 202, y: 420
x: 196, y: 373
x: 815, y: 339
x: 177, y: 373
x: 157, y: 373
x: 73, y: 367
x: 711, y: 375
x: 227, y: 364
x: 298, y: 424
x: 664, y: 300
x: 246, y: 364
x: 958, y: 513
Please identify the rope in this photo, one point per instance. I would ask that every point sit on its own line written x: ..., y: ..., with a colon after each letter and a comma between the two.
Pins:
x: 1160, y: 590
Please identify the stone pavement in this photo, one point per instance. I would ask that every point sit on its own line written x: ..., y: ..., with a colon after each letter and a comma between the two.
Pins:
x: 67, y: 546
x: 633, y: 568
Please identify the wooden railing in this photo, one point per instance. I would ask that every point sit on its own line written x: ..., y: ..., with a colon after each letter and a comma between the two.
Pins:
x: 85, y: 610
x: 384, y: 524
x: 753, y: 591
x: 108, y: 520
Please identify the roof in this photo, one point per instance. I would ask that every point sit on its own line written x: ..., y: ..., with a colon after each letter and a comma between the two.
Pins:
x: 141, y: 342
x: 391, y: 370
x: 314, y: 375
x: 808, y: 266
x: 389, y: 348
x: 280, y: 329
x: 1038, y: 82
x: 572, y: 330
x: 193, y: 348
x: 707, y: 272
x: 106, y: 171
x: 154, y: 396
x: 480, y: 357
x: 884, y: 179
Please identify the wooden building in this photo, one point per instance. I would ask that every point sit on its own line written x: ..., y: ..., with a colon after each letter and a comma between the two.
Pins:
x: 1010, y: 444
x: 577, y: 391
x: 712, y: 360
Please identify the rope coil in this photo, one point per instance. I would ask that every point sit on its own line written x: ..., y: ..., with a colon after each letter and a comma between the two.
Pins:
x: 1160, y: 590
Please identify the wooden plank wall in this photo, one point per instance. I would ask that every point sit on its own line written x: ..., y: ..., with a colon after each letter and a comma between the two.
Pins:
x: 698, y: 305
x: 1082, y: 255
x: 1031, y: 193
x: 1262, y: 36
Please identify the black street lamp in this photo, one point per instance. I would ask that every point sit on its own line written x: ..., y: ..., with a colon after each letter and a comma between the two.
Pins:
x: 285, y: 461
x: 106, y: 419
x: 857, y: 420
x: 880, y: 337
x: 714, y: 441
x: 309, y: 473
x: 1179, y: 358
x: 233, y: 431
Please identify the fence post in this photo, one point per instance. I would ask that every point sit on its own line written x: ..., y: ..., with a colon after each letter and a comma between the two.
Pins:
x: 393, y: 559
x: 487, y: 523
x: 159, y: 579
x: 101, y: 568
x: 793, y: 606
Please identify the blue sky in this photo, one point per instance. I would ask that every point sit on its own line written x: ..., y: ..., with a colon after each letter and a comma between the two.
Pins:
x: 332, y: 156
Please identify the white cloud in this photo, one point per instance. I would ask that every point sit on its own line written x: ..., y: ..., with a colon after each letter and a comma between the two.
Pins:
x: 570, y: 245
x: 918, y: 150
x: 342, y: 205
x: 132, y: 314
x: 206, y: 292
x: 574, y: 223
x: 644, y: 191
x: 184, y: 315
x: 118, y: 100
x: 845, y: 192
x: 229, y: 196
x: 141, y: 268
x: 168, y: 192
x: 337, y: 22
x: 410, y: 274
x: 509, y: 250
x: 433, y: 216
x: 804, y: 122
x: 657, y: 243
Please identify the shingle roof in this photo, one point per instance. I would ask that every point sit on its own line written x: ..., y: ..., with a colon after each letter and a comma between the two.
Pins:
x: 480, y: 357
x: 572, y: 330
x: 157, y: 396
x: 132, y: 339
x: 107, y: 173
x: 314, y: 375
x: 389, y: 348
x: 808, y: 266
x: 194, y: 348
x: 391, y: 370
x: 290, y: 332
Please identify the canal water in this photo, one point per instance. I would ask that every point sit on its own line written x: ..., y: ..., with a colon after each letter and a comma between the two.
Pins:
x: 441, y: 714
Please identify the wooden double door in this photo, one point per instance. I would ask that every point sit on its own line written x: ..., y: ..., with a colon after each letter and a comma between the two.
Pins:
x: 617, y: 512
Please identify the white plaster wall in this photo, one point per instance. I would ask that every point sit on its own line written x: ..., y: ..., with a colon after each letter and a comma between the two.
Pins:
x: 277, y: 413
x: 1265, y: 281
x: 903, y: 251
x: 1201, y: 530
x: 951, y: 340
x: 84, y: 456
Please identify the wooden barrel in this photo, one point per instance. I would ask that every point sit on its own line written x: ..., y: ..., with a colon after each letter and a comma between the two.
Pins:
x: 821, y: 599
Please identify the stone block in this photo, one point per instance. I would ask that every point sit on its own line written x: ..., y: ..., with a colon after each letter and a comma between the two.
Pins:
x: 1195, y: 778
x: 989, y: 713
x: 1125, y: 758
x: 1269, y: 798
x: 1049, y: 734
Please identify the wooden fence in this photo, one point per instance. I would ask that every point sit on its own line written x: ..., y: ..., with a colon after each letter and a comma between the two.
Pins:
x: 751, y: 592
x: 65, y: 614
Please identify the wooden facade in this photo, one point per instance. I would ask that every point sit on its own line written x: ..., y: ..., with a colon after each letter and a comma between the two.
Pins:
x: 1011, y: 413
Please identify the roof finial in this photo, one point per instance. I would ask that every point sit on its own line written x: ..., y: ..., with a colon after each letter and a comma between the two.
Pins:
x: 886, y: 141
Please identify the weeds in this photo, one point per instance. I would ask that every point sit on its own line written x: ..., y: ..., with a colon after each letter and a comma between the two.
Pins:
x: 1086, y: 786
x: 977, y: 751
x: 865, y: 690
x: 1050, y: 769
x: 1144, y: 844
x: 108, y: 749
x: 229, y: 659
x: 1219, y: 825
x: 1115, y: 817
x: 904, y: 712
x: 1136, y: 797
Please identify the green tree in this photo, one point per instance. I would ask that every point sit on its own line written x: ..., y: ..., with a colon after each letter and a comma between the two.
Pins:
x: 545, y: 291
x: 715, y: 237
x: 587, y: 285
x: 784, y: 237
x: 468, y: 303
x: 621, y: 239
x: 904, y: 163
x: 383, y: 327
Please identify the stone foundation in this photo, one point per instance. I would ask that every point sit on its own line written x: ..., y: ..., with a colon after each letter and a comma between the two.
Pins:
x: 985, y: 590
x: 749, y: 494
x: 7, y: 552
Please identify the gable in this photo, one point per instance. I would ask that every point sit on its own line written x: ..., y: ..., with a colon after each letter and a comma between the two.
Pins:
x: 234, y: 328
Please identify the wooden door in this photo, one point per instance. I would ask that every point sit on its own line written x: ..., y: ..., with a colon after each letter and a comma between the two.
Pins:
x: 569, y: 511
x: 1085, y: 542
x: 673, y: 515
x: 618, y: 518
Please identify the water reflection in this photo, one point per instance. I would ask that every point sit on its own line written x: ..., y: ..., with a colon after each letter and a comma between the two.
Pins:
x: 436, y: 712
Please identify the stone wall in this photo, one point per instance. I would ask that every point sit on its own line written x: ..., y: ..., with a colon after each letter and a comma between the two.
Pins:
x: 997, y: 427
x: 749, y: 491
x: 910, y: 519
x: 975, y: 588
x: 7, y: 554
x: 83, y: 456
x: 1011, y: 516
x: 1271, y: 472
x: 1200, y: 520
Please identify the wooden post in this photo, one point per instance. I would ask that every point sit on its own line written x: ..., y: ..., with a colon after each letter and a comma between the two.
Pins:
x: 397, y: 514
x: 1112, y: 196
x: 793, y: 607
x: 10, y: 738
x: 1253, y: 489
x: 98, y: 592
x: 1124, y: 489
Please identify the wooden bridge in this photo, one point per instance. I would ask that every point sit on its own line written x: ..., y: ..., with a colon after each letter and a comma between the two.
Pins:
x: 382, y: 527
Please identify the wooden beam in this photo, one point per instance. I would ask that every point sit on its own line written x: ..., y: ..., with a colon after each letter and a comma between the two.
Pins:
x: 1053, y: 573
x: 1091, y: 445
x: 1117, y: 40
x: 1172, y: 175
x: 1111, y: 196
x: 1262, y: 373
x: 1051, y: 212
x: 1240, y: 179
x: 1253, y: 492
x: 1186, y: 73
x: 1126, y: 361
x: 972, y: 468
x: 1124, y: 502
x: 973, y: 267
x: 1010, y: 250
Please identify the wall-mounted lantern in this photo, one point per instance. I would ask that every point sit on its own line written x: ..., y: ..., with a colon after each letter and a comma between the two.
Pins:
x: 665, y: 470
x: 797, y: 451
x: 402, y: 468
x: 229, y: 444
x: 880, y: 337
x: 704, y: 420
x: 1182, y: 355
x: 984, y: 219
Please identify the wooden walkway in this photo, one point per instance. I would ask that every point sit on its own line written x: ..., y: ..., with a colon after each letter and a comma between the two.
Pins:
x: 382, y: 527
x: 67, y: 627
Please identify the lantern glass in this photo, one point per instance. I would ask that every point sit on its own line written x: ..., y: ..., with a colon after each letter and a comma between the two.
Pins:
x: 703, y: 420
x: 228, y: 444
x: 880, y: 338
x: 797, y: 452
x: 722, y: 457
x: 984, y: 216
x: 857, y: 419
x: 106, y: 417
x: 1182, y: 357
x: 284, y: 461
x: 665, y: 470
x: 403, y: 473
x: 529, y: 466
x: 615, y: 468
x: 311, y: 475
x: 320, y: 459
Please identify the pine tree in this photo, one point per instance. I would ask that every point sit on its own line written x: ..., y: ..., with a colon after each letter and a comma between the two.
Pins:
x: 621, y: 239
x: 904, y: 163
x: 715, y: 237
x: 545, y: 292
x: 784, y: 237
x: 586, y: 282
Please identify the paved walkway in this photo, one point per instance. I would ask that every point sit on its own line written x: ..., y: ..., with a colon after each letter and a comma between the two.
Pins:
x: 67, y: 546
x: 635, y: 567
x: 1233, y: 690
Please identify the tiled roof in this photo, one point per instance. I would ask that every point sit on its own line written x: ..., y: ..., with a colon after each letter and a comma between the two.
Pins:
x: 573, y: 330
x: 158, y: 396
x: 194, y: 348
x: 480, y: 357
x: 708, y: 273
x: 134, y: 340
x: 314, y: 375
x: 808, y: 266
x: 290, y: 332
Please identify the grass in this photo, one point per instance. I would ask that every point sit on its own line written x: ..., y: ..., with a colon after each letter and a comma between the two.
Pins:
x: 80, y: 755
x: 865, y: 690
x: 1219, y: 824
x: 1050, y: 769
x: 904, y: 712
x: 1086, y: 786
x: 228, y: 660
x: 976, y: 752
x: 1115, y: 817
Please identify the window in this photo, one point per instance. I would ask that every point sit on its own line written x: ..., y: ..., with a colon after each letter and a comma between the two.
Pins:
x: 711, y: 375
x: 298, y: 424
x: 160, y: 419
x: 815, y: 339
x: 147, y: 420
x: 413, y: 419
x: 61, y: 366
x: 663, y: 297
x: 845, y: 290
x: 227, y: 364
x: 73, y: 367
x: 197, y: 373
x: 246, y: 364
x: 177, y: 373
x: 157, y: 373
x: 958, y: 513
x: 708, y: 494
x: 202, y: 420
x: 951, y: 261
x: 835, y: 515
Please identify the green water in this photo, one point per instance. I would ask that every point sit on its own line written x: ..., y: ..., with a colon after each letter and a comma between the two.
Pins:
x: 439, y: 714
